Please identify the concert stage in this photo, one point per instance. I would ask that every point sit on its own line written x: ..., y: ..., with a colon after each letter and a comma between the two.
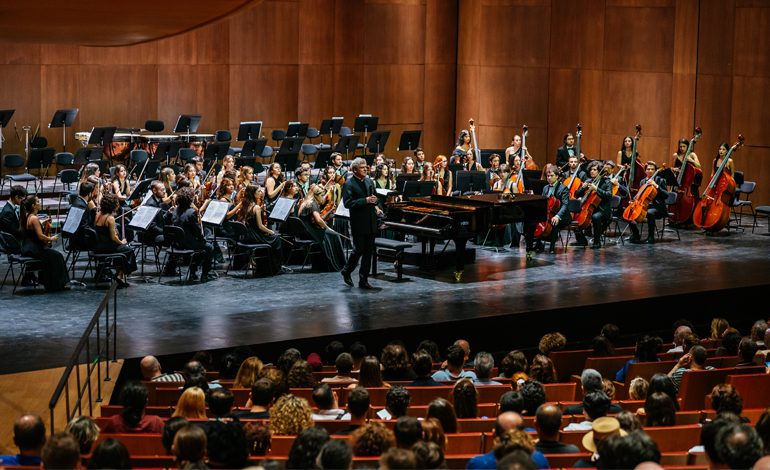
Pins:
x: 503, y: 301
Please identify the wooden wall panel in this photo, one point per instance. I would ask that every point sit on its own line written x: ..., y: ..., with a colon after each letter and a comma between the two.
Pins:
x: 395, y: 33
x: 348, y: 92
x: 633, y: 98
x: 266, y: 92
x: 316, y: 26
x: 684, y: 72
x: 59, y: 88
x: 716, y: 36
x: 750, y: 112
x: 51, y: 54
x: 752, y: 41
x: 513, y: 96
x: 712, y: 112
x: 213, y: 43
x: 19, y: 54
x: 349, y: 34
x: 515, y: 34
x: 441, y: 32
x: 577, y: 43
x: 146, y: 53
x: 754, y: 162
x: 20, y: 91
x: 439, y: 106
x: 591, y: 99
x: 118, y: 95
x: 315, y: 95
x: 181, y: 49
x: 394, y: 93
x: 266, y: 34
x: 640, y: 39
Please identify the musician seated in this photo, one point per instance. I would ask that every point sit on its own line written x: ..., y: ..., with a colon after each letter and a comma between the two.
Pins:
x: 562, y: 218
x: 408, y: 166
x: 108, y: 241
x: 334, y: 187
x: 200, y: 173
x: 303, y: 181
x: 36, y: 244
x: 186, y: 217
x: 84, y: 200
x: 657, y: 208
x: 290, y: 191
x: 601, y: 215
x: 191, y: 173
x: 120, y: 185
x: 251, y: 211
x: 153, y: 236
x: 310, y: 213
x: 339, y: 166
x: 471, y: 164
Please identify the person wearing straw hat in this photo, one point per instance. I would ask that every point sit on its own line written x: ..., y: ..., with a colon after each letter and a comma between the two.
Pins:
x: 601, y: 429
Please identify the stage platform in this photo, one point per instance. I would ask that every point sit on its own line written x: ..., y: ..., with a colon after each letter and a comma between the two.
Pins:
x: 503, y: 301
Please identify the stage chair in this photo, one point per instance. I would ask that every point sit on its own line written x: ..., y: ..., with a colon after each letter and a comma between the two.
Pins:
x: 173, y: 237
x: 301, y: 239
x: 13, y: 161
x: 670, y: 201
x: 308, y: 150
x: 764, y: 210
x: 11, y: 247
x: 746, y: 188
x: 574, y: 207
x: 238, y: 232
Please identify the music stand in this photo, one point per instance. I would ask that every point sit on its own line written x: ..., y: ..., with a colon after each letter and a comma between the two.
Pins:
x: 250, y: 130
x: 187, y: 123
x: 365, y: 123
x: 377, y: 142
x: 216, y: 151
x: 402, y: 179
x: 472, y: 181
x: 409, y: 140
x: 39, y: 159
x: 253, y: 148
x: 215, y: 214
x: 63, y: 118
x: 5, y: 117
x: 167, y: 150
x: 323, y: 159
x: 282, y: 209
x: 140, y: 190
x: 297, y: 129
x: 346, y: 143
x: 101, y: 136
x: 288, y: 153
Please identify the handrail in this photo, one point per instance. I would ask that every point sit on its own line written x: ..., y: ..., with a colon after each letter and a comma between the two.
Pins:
x: 101, y: 355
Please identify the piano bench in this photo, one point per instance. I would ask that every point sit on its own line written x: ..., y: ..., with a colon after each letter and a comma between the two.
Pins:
x: 391, y: 250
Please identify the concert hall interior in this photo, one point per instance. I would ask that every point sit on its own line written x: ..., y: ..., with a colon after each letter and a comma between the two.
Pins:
x: 203, y: 176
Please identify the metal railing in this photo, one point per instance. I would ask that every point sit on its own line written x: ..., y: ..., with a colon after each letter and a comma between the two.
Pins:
x: 105, y: 339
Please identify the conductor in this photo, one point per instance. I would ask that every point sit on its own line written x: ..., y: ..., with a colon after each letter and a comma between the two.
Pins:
x: 359, y: 197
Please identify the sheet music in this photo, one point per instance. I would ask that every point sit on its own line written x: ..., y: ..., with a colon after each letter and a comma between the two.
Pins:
x: 216, y: 212
x: 71, y: 224
x: 384, y: 192
x: 143, y: 217
x: 342, y: 211
x: 282, y: 209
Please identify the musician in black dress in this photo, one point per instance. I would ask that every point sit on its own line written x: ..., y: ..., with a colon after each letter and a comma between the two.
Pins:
x: 359, y: 197
x: 251, y: 211
x: 601, y: 216
x: 310, y: 213
x: 36, y: 244
x: 108, y: 241
x: 657, y: 208
x: 186, y: 217
x: 562, y: 218
x: 567, y: 150
x: 626, y: 151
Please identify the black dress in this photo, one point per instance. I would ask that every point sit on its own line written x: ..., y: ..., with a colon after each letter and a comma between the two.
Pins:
x: 54, y: 275
x: 105, y: 245
x: 329, y: 240
x: 255, y: 235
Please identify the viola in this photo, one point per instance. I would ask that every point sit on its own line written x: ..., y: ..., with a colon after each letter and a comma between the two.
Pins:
x: 544, y: 229
x: 713, y: 211
x: 687, y: 186
x: 637, y: 209
x: 589, y: 202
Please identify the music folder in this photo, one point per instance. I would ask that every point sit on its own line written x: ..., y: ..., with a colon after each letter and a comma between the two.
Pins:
x: 143, y: 217
x: 283, y: 207
x: 215, y: 213
x: 72, y: 222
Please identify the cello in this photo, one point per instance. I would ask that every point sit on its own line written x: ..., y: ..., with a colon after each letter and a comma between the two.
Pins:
x: 636, y: 172
x: 687, y: 186
x: 637, y: 209
x: 573, y: 183
x: 713, y: 211
x: 588, y: 204
x: 543, y: 229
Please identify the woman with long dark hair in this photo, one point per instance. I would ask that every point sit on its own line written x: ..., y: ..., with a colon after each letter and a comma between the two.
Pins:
x: 251, y: 211
x: 108, y: 241
x: 36, y: 244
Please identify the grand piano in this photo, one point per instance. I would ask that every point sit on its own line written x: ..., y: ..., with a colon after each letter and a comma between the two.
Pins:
x: 434, y: 218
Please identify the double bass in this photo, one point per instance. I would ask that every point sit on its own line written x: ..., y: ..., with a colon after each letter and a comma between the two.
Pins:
x: 687, y: 186
x: 573, y: 183
x: 637, y: 208
x: 713, y: 211
x: 636, y: 170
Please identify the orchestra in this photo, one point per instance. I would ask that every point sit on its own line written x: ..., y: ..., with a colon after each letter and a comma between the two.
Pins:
x: 183, y: 195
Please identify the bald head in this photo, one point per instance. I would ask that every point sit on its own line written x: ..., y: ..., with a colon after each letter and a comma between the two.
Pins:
x: 29, y: 434
x: 680, y: 333
x: 548, y: 422
x: 466, y: 347
x: 506, y: 421
x: 150, y: 367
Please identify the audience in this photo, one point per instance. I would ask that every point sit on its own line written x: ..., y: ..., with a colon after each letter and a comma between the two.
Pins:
x: 422, y: 363
x: 483, y: 365
x: 407, y: 431
x: 397, y: 401
x: 85, y: 431
x: 444, y: 412
x: 290, y: 415
x: 358, y: 409
x: 465, y: 399
x: 109, y: 454
x: 547, y: 424
x: 325, y: 400
x: 306, y: 447
x: 334, y: 455
x: 395, y: 364
x: 133, y: 419
x: 29, y: 436
x: 344, y: 366
x: 63, y: 451
x: 455, y: 360
x: 371, y: 440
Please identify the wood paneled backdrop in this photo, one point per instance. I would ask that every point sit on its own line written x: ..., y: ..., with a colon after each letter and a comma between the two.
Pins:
x: 431, y: 65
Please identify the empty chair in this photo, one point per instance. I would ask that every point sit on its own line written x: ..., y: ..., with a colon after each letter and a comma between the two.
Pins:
x: 764, y: 210
x: 64, y: 158
x: 308, y: 150
x: 153, y: 125
x: 15, y: 161
x: 278, y: 135
x: 223, y: 136
x: 670, y: 201
x: 746, y: 188
x: 186, y: 154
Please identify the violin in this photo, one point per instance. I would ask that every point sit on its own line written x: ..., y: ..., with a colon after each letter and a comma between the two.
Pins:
x: 589, y: 202
x: 713, y: 211
x: 637, y: 209
x: 687, y: 186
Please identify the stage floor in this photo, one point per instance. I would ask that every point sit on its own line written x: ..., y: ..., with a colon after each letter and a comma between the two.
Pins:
x: 563, y: 292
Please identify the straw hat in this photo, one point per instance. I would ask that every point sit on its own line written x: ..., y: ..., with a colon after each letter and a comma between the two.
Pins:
x: 602, y: 428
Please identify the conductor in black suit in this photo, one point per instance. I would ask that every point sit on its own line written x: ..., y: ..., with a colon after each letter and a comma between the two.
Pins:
x: 9, y: 216
x: 359, y: 197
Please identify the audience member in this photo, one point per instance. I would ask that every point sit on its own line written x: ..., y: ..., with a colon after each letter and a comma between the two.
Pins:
x: 372, y: 439
x: 551, y: 342
x: 370, y: 374
x: 191, y: 404
x: 29, y: 437
x: 226, y: 445
x: 344, y: 366
x: 627, y: 451
x: 533, y: 395
x: 726, y: 399
x: 325, y: 399
x: 335, y: 454
x: 170, y: 428
x: 110, y: 453
x: 659, y: 410
x: 133, y: 397
x: 221, y: 401
x: 511, y: 401
x: 548, y: 424
x: 63, y: 451
x: 422, y: 364
x: 429, y: 455
x: 483, y: 365
x: 301, y: 375
x: 465, y: 399
x: 306, y: 447
x: 189, y: 448
x: 151, y: 371
x: 638, y: 388
x: 747, y: 348
x: 514, y: 366
x: 455, y: 360
x: 397, y: 401
x: 258, y: 437
x: 590, y: 381
x: 433, y: 431
x: 358, y: 353
x: 395, y: 364
x: 248, y: 372
x: 85, y: 431
x: 395, y: 458
x: 596, y: 404
x: 542, y: 370
x: 738, y: 446
x: 261, y: 398
x: 358, y: 409
x: 442, y: 410
x: 646, y: 351
x: 629, y: 421
x: 290, y: 415
x: 407, y: 431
